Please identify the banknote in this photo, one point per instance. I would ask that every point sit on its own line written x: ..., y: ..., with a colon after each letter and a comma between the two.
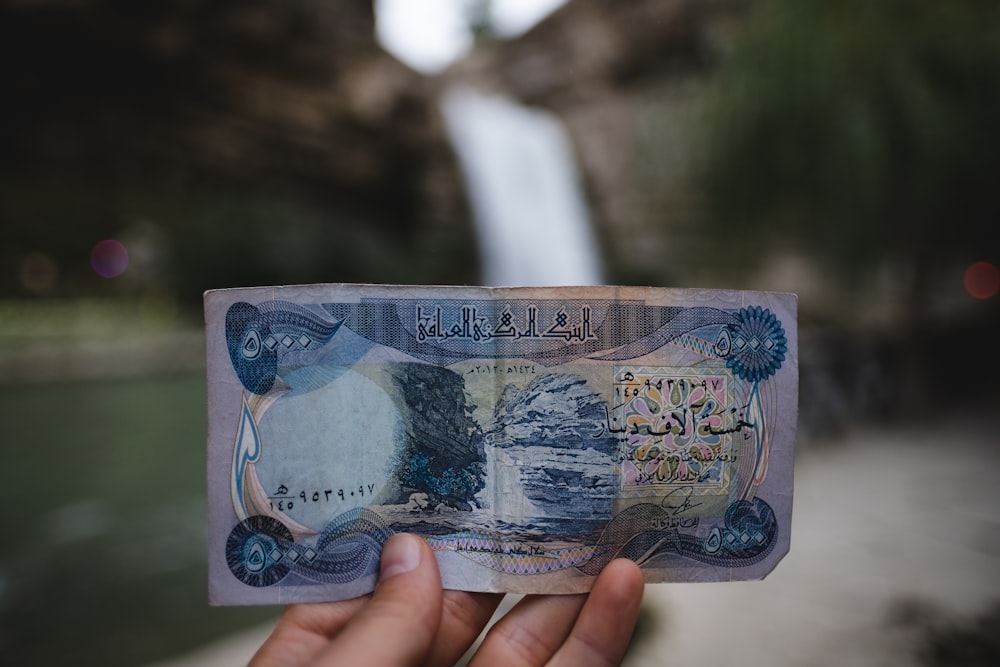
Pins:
x: 531, y: 435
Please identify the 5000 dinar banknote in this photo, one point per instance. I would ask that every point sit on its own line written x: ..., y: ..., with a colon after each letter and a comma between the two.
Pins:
x: 531, y: 435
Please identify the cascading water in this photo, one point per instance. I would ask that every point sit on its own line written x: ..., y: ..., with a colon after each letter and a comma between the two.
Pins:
x: 534, y: 229
x: 528, y: 207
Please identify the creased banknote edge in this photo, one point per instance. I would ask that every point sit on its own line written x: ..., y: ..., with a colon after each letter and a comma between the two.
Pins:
x: 273, y: 292
x: 355, y: 288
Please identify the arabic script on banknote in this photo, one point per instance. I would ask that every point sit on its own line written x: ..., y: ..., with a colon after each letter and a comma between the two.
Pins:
x: 531, y: 435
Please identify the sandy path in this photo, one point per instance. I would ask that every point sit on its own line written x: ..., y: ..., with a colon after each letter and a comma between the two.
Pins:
x: 885, y: 523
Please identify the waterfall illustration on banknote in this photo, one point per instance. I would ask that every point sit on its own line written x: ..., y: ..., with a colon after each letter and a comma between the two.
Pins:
x: 531, y: 435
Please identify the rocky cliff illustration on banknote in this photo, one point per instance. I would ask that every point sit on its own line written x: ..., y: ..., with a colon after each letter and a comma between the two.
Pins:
x: 531, y: 435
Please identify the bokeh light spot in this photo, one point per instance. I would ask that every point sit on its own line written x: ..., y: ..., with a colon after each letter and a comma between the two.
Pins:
x: 982, y: 280
x: 109, y: 258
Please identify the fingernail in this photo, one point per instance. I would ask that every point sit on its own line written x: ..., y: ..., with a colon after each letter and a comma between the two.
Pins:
x: 399, y: 555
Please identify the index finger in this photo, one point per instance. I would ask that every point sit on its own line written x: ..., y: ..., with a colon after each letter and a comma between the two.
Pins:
x: 303, y: 631
x: 463, y: 617
x: 604, y: 628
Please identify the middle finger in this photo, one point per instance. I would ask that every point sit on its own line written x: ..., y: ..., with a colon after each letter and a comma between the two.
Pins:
x: 531, y: 632
x: 463, y: 617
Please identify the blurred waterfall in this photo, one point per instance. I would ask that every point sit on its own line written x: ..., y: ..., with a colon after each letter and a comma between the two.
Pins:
x: 530, y: 214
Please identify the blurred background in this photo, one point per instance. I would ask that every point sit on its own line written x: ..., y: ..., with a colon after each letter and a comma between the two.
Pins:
x: 844, y: 150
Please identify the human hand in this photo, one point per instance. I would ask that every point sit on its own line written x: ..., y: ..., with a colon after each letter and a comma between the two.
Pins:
x: 410, y: 620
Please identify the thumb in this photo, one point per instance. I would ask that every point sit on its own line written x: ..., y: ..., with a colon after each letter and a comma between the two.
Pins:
x: 398, y: 625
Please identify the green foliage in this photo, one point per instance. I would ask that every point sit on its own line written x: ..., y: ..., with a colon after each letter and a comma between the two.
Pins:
x: 478, y: 18
x: 208, y: 139
x: 858, y: 130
